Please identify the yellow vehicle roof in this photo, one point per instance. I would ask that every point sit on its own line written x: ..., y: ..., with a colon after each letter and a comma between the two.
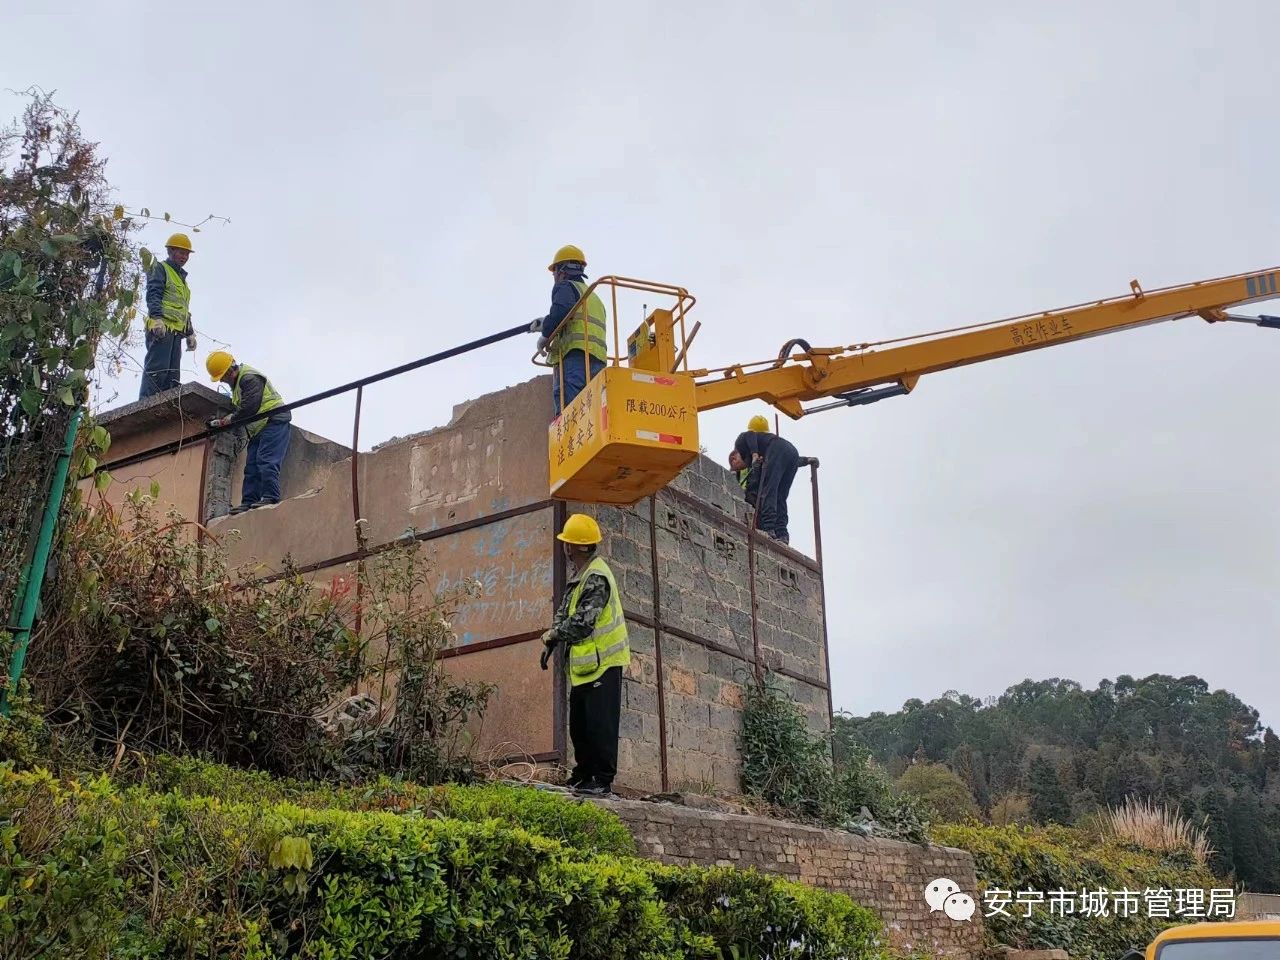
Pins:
x: 1228, y: 930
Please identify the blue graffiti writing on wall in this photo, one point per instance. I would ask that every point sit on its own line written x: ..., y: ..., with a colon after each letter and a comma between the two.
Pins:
x: 509, y: 595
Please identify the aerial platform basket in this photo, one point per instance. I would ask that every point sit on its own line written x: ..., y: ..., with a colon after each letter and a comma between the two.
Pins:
x: 634, y: 427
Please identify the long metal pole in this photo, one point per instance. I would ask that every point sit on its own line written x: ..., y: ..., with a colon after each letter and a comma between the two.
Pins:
x: 361, y: 544
x: 756, y: 655
x: 822, y: 590
x: 657, y: 643
x: 242, y: 418
x: 559, y: 578
x: 202, y: 514
x: 39, y: 562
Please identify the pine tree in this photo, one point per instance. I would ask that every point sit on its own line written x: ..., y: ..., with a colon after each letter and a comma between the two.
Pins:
x: 1249, y: 840
x: 1049, y: 800
x: 1213, y: 808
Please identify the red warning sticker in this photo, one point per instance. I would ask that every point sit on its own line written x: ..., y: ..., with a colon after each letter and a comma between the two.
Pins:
x: 654, y: 379
x: 658, y: 437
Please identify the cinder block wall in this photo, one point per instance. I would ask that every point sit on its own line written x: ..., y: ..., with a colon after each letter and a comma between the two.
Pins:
x: 701, y: 596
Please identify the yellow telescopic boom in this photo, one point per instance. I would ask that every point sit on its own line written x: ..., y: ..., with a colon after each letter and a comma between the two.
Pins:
x: 635, y: 426
x: 849, y: 373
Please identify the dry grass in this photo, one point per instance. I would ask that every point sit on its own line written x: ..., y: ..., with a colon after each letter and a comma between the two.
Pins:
x: 1156, y: 827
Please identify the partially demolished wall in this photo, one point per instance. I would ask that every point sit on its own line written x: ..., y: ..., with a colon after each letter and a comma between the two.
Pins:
x: 474, y: 495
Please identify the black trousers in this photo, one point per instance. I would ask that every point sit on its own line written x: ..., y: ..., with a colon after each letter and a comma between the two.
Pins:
x: 594, y: 711
x: 778, y: 471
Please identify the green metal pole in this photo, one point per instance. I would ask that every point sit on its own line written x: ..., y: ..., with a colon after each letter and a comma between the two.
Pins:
x: 39, y: 560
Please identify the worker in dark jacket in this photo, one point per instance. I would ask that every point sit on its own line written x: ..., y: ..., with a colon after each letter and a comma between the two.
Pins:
x: 252, y: 392
x: 591, y: 625
x: 168, y: 318
x: 777, y: 460
x: 577, y: 347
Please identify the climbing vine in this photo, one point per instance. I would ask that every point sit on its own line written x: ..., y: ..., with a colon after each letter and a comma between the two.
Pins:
x: 69, y: 277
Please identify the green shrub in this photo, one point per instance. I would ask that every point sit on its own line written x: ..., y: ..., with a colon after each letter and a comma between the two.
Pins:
x: 739, y: 912
x: 790, y: 770
x: 944, y: 794
x: 95, y: 871
x: 577, y: 824
x: 1062, y: 858
x: 152, y: 643
x: 24, y: 738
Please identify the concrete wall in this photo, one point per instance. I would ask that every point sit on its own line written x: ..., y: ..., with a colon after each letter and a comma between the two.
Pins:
x: 1258, y: 906
x: 474, y: 495
x: 306, y: 467
x: 174, y: 415
x: 884, y: 875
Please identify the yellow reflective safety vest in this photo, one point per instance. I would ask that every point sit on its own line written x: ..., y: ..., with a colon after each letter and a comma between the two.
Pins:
x: 607, y: 646
x: 270, y: 399
x: 175, y: 304
x: 590, y: 323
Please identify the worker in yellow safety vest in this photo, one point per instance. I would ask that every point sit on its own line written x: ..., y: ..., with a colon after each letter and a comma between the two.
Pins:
x: 576, y: 340
x: 168, y: 318
x: 252, y: 392
x: 591, y: 625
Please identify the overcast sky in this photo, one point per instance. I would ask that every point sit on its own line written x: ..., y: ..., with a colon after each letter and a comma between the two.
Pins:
x: 397, y: 175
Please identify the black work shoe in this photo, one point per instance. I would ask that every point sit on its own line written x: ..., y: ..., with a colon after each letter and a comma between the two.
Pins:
x: 242, y: 508
x: 593, y: 788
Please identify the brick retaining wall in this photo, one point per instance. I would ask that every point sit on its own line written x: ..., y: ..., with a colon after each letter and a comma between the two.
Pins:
x: 884, y: 875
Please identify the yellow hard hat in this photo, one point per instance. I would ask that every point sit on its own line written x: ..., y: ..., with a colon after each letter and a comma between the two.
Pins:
x: 179, y: 240
x: 580, y: 529
x: 568, y: 252
x: 758, y: 424
x: 218, y: 364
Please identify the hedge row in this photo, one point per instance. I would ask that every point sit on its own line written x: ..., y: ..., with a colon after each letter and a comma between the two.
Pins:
x: 1042, y: 860
x: 95, y: 871
x: 583, y: 826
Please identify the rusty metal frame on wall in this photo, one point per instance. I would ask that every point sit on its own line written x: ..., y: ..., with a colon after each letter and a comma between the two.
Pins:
x: 657, y: 626
x: 755, y: 660
x: 360, y: 555
x: 822, y: 590
x: 364, y: 551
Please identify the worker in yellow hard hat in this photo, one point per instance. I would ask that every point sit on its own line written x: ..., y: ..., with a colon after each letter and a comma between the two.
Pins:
x: 577, y: 347
x: 252, y: 393
x: 168, y: 318
x: 591, y: 625
x: 773, y: 461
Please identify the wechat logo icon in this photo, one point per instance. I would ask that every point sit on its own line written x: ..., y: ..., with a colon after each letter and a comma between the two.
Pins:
x: 945, y: 895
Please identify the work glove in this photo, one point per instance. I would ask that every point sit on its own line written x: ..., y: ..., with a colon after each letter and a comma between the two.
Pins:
x: 542, y: 344
x: 217, y: 422
x: 156, y: 325
x: 548, y: 647
x: 191, y: 343
x: 536, y: 325
x: 546, y: 656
